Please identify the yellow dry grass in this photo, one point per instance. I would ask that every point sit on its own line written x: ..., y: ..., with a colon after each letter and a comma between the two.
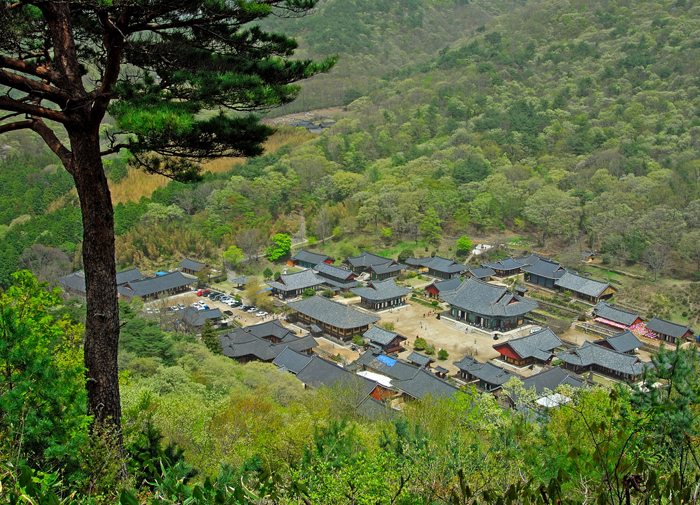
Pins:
x: 138, y: 183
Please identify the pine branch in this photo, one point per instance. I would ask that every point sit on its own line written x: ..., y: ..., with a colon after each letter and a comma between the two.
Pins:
x: 27, y: 85
x: 19, y: 125
x: 7, y: 103
x: 27, y: 68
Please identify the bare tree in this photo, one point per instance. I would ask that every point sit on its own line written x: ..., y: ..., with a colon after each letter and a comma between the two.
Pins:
x: 47, y: 263
x: 251, y: 243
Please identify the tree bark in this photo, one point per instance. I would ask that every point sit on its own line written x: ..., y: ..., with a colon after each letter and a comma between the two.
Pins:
x: 102, y: 320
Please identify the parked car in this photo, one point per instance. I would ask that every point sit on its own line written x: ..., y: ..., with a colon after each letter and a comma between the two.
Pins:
x: 251, y: 310
x: 157, y: 311
x: 236, y: 303
x: 228, y: 312
x: 261, y: 314
x: 181, y: 305
x: 149, y: 311
x: 174, y: 308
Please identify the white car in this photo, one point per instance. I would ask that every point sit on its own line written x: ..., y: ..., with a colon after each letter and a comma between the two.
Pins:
x: 174, y: 308
x: 261, y: 314
x: 251, y: 310
x: 149, y: 311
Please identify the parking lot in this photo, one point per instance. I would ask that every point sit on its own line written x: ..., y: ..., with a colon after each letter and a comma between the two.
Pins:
x: 162, y: 308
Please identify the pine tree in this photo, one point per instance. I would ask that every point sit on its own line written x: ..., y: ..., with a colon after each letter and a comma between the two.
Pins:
x: 210, y: 337
x: 62, y: 65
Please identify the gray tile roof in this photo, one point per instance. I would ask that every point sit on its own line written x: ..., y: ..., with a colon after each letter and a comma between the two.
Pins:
x: 487, y: 372
x: 381, y: 336
x: 425, y: 384
x: 487, y: 299
x: 571, y: 281
x: 505, y: 264
x: 270, y: 329
x: 419, y: 359
x: 387, y: 267
x: 125, y: 276
x: 76, y: 280
x: 589, y: 354
x: 482, y: 272
x: 311, y: 257
x: 151, y: 285
x: 195, y: 266
x: 383, y: 364
x: 535, y: 345
x: 545, y: 268
x: 321, y: 372
x: 438, y: 264
x: 240, y: 280
x: 300, y: 280
x: 612, y: 313
x: 196, y: 317
x: 551, y: 379
x: 378, y: 291
x: 332, y: 313
x: 367, y: 259
x: 291, y: 361
x: 625, y: 341
x: 661, y: 326
x: 240, y: 344
x: 339, y: 274
x: 375, y: 410
x: 447, y: 285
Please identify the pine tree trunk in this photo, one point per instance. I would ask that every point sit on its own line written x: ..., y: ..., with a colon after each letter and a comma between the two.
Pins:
x: 102, y: 320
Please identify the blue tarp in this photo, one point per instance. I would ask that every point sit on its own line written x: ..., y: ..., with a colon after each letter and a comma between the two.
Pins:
x: 386, y: 360
x: 161, y: 273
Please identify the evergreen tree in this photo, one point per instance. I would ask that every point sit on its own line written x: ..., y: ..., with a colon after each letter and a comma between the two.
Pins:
x: 183, y: 58
x: 210, y: 337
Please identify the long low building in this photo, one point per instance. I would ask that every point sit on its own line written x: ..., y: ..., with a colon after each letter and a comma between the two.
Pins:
x: 584, y: 288
x: 596, y: 358
x: 487, y: 305
x: 293, y: 285
x: 157, y: 287
x: 335, y: 319
x: 74, y: 284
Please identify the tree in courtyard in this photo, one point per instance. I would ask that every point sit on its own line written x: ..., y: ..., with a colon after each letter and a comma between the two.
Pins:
x: 210, y: 338
x: 281, y: 245
x: 154, y: 65
x: 267, y: 273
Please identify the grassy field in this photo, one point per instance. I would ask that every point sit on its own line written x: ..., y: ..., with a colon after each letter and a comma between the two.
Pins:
x: 138, y: 183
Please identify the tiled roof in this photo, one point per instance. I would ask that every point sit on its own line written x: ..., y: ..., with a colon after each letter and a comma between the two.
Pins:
x: 589, y: 354
x: 419, y: 359
x: 340, y: 274
x: 505, y: 264
x: 382, y: 290
x: 300, y: 280
x: 482, y: 272
x: 386, y: 267
x: 487, y: 372
x: 151, y: 285
x: 367, y: 259
x: 196, y: 317
x: 447, y: 285
x: 551, y: 379
x: 612, y: 313
x: 270, y: 329
x: 193, y: 265
x: 535, y: 345
x: 321, y: 372
x: 438, y: 264
x: 125, y: 276
x: 661, y: 326
x: 571, y: 281
x: 240, y: 343
x: 375, y: 410
x: 545, y: 268
x: 379, y: 362
x: 487, y: 299
x: 425, y: 384
x: 332, y: 313
x: 622, y: 342
x: 291, y: 360
x: 381, y: 336
x: 240, y: 280
x: 311, y: 257
x: 76, y: 280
